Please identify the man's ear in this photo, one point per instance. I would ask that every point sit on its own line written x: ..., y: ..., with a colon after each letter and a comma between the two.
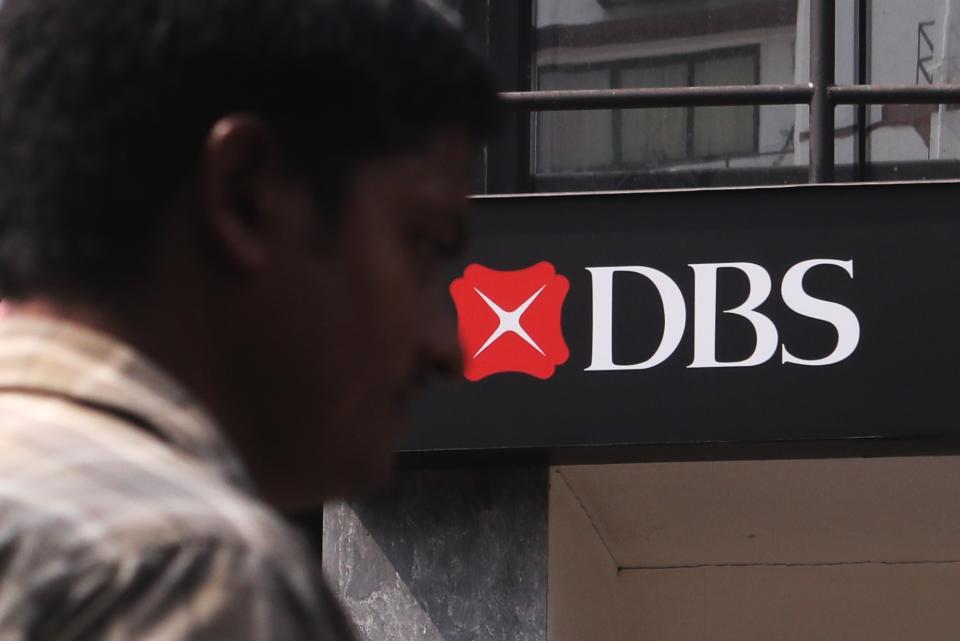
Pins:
x: 240, y: 172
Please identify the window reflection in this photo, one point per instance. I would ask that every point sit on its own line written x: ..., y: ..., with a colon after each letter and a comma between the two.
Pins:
x: 914, y: 43
x: 603, y: 44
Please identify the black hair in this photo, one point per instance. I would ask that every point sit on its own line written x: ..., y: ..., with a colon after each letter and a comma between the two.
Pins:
x: 104, y: 106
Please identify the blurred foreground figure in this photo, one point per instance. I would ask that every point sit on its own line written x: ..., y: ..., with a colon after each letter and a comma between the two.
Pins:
x: 220, y: 226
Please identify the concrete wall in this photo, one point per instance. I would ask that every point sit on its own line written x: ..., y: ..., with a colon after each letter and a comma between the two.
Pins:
x: 445, y: 555
x: 742, y: 551
x: 842, y: 550
x: 869, y: 602
x: 584, y: 587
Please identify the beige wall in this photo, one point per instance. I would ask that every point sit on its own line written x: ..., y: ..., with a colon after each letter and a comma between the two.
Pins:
x: 872, y: 602
x: 785, y: 550
x: 582, y: 576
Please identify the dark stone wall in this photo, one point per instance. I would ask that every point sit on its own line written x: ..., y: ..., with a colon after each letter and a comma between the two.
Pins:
x: 445, y: 555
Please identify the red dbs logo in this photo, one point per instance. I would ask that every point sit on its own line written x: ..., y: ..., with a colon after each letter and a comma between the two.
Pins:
x: 510, y: 321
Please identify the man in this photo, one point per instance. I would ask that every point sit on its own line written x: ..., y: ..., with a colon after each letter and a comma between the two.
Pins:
x: 221, y: 224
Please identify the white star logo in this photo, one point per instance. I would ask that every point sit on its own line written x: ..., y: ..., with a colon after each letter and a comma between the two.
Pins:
x: 509, y: 321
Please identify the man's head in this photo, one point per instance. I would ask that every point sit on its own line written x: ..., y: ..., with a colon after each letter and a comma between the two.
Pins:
x: 255, y: 192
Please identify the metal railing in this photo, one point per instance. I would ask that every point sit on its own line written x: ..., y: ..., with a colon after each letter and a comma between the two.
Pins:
x: 821, y: 94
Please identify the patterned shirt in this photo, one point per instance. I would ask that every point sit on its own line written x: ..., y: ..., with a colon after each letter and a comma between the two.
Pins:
x: 124, y: 514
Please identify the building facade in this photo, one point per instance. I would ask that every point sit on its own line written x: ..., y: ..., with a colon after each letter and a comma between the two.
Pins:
x: 686, y: 543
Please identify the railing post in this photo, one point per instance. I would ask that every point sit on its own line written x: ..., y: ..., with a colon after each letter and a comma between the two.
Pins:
x: 822, y: 70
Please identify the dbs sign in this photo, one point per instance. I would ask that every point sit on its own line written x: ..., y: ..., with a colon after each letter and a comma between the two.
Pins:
x: 509, y: 321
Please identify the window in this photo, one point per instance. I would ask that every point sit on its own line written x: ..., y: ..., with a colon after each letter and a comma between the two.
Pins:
x: 634, y: 44
x: 587, y: 44
x: 608, y: 140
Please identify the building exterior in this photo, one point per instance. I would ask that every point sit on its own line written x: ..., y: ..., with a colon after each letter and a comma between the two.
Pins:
x: 799, y: 541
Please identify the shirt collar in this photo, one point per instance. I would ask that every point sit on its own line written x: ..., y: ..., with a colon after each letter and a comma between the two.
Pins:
x: 55, y: 358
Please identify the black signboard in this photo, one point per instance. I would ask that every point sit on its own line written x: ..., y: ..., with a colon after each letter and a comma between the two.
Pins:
x: 743, y: 322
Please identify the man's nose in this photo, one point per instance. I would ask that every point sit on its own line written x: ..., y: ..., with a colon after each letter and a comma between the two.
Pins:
x: 442, y: 353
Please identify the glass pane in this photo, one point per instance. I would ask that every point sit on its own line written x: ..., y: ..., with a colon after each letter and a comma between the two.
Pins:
x: 911, y: 41
x: 587, y: 44
x: 720, y: 131
x: 654, y: 136
x: 914, y: 42
x: 574, y: 140
x: 602, y: 33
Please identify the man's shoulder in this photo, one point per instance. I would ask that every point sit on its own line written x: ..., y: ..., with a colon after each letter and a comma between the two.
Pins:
x: 76, y: 479
x: 99, y: 517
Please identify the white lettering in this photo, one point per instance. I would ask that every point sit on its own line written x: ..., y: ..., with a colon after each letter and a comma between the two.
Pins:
x: 705, y: 315
x: 674, y: 317
x: 842, y: 318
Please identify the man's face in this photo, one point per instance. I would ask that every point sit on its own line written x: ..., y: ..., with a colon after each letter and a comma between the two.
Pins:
x: 363, y: 319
